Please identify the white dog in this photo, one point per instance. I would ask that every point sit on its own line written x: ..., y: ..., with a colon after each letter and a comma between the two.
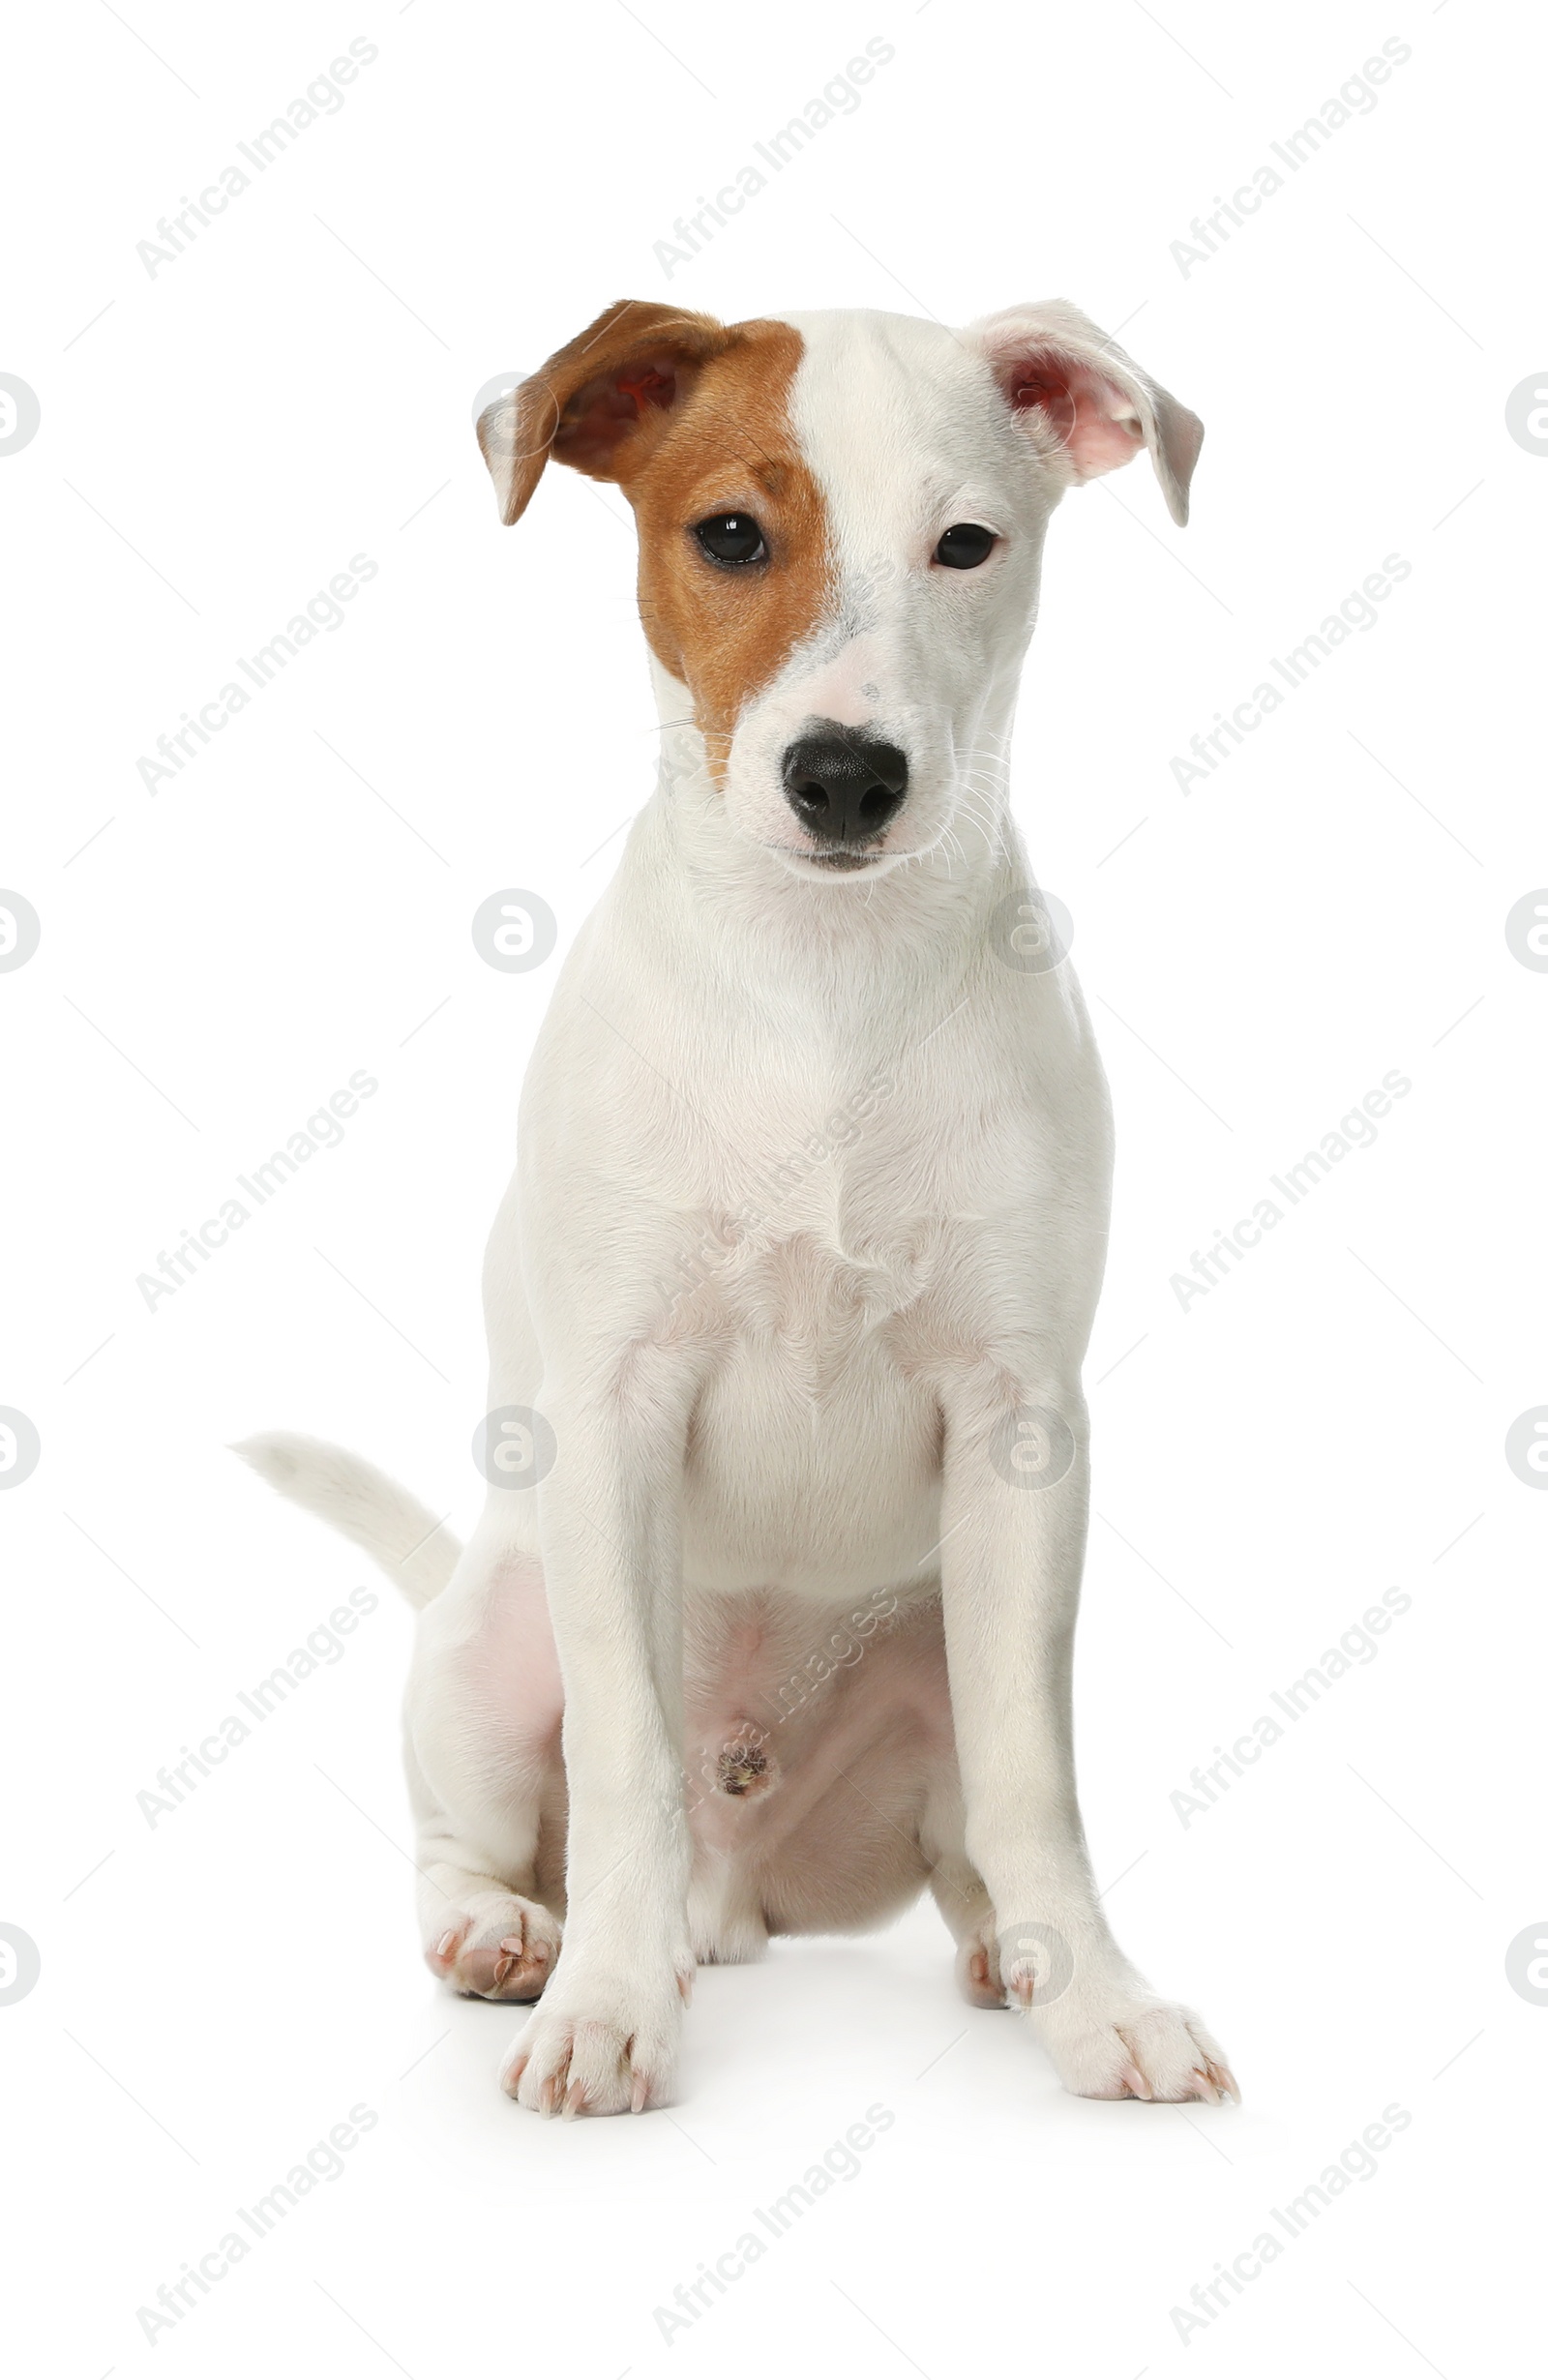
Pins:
x: 789, y: 1298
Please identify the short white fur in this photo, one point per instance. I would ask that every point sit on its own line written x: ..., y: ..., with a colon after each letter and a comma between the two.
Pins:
x: 762, y: 1424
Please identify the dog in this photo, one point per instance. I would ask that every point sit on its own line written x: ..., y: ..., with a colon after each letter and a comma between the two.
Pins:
x: 768, y: 1618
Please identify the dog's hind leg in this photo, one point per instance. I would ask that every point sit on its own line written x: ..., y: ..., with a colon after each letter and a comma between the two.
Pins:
x: 481, y: 1716
x: 481, y: 1933
x: 961, y: 1894
x: 482, y: 1722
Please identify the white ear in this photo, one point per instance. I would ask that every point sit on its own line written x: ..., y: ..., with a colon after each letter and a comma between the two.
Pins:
x: 1084, y: 401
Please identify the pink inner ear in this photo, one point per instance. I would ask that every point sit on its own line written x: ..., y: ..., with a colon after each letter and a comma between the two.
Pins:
x: 600, y: 416
x: 1091, y: 417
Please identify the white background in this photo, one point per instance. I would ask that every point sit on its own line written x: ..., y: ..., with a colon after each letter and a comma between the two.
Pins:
x: 218, y: 439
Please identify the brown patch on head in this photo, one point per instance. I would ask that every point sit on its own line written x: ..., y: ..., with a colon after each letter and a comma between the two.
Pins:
x: 730, y: 448
x: 690, y: 418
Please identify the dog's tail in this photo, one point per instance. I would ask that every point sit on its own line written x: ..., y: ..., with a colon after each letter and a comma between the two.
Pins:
x: 394, y: 1528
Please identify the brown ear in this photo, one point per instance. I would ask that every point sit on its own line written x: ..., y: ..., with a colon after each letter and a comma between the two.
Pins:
x: 596, y: 404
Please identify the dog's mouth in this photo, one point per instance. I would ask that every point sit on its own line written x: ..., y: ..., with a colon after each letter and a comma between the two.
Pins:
x: 840, y: 863
x: 815, y: 864
x: 850, y: 859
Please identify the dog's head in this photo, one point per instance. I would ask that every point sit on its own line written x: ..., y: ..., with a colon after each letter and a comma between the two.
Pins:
x: 841, y: 523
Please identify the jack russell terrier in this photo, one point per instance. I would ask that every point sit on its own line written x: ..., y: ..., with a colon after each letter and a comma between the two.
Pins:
x: 768, y: 1620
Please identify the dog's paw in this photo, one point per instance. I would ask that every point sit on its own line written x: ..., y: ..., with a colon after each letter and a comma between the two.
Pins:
x: 597, y: 2052
x: 977, y: 1972
x: 499, y: 1947
x: 1133, y: 2048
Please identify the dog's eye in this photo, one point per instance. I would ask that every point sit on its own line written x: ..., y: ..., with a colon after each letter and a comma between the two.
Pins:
x: 732, y: 537
x: 966, y: 544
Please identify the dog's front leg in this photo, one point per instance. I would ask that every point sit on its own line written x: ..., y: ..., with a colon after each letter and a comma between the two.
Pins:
x: 1016, y: 1492
x: 603, y: 2039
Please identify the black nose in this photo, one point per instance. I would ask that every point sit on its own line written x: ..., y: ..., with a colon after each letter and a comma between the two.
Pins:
x: 844, y: 785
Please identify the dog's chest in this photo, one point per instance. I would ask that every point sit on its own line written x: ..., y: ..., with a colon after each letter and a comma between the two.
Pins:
x: 809, y: 1253
x: 814, y: 1446
x: 826, y: 1241
x: 819, y: 1276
